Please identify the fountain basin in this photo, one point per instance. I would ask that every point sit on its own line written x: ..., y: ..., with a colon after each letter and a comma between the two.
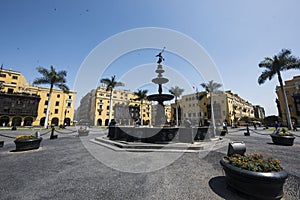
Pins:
x: 160, y: 97
x: 157, y: 134
x: 160, y: 80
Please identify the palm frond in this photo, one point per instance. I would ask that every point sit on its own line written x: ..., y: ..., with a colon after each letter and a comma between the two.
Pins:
x: 63, y: 87
x: 295, y: 65
x: 111, y: 83
x: 285, y: 53
x: 51, y: 77
x: 211, y: 86
x: 267, y: 74
x: 105, y: 81
x: 141, y: 95
x: 41, y: 81
x: 176, y: 91
x: 43, y: 71
x: 266, y: 63
x: 62, y: 73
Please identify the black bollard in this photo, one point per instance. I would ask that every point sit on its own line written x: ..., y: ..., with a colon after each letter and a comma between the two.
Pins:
x: 52, y: 136
x: 247, y: 133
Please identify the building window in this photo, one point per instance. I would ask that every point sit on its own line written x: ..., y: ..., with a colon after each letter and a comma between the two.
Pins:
x: 45, y: 110
x: 46, y: 102
x: 47, y: 94
x: 70, y: 96
x: 57, y: 103
x: 107, y: 107
x: 56, y: 111
x: 69, y: 104
x: 3, y: 75
x: 13, y: 83
x: 15, y: 77
x: 9, y: 90
x: 58, y: 95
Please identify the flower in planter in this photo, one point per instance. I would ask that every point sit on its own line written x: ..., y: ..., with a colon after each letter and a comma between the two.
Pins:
x: 25, y: 137
x: 255, y: 176
x: 282, y: 132
x: 254, y: 162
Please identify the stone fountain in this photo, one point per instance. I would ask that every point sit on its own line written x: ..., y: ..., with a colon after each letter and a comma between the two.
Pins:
x: 160, y: 118
x: 159, y: 132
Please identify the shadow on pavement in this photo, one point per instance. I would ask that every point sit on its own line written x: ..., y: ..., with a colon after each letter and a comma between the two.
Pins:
x: 219, y: 186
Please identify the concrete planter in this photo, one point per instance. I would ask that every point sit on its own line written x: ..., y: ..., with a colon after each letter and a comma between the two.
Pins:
x: 83, y: 132
x: 23, y: 145
x: 283, y: 140
x: 258, y: 185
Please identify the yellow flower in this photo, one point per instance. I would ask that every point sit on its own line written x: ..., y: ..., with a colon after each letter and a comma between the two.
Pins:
x: 25, y: 137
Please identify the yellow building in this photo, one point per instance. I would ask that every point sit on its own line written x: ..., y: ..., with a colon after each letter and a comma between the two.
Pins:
x: 237, y: 108
x: 193, y: 108
x: 25, y: 105
x: 292, y: 89
x: 227, y: 107
x: 94, y: 108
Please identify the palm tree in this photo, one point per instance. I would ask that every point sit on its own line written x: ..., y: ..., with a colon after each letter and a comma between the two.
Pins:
x: 273, y: 66
x: 110, y: 85
x: 52, y: 78
x: 141, y: 96
x: 211, y: 87
x: 176, y: 91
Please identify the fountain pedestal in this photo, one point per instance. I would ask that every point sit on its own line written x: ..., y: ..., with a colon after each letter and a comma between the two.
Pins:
x: 160, y: 118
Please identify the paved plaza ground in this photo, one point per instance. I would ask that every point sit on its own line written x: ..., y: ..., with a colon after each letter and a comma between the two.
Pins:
x: 72, y: 167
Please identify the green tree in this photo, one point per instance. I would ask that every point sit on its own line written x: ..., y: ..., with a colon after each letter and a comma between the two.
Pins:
x: 274, y: 66
x: 53, y: 78
x: 110, y: 85
x: 211, y: 87
x: 177, y: 92
x: 141, y: 96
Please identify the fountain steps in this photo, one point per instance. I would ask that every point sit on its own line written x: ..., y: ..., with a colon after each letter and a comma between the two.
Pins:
x: 155, y: 147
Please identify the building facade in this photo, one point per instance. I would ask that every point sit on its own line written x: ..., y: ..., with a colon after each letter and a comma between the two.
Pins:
x: 25, y: 105
x: 94, y: 108
x: 227, y: 106
x: 292, y: 89
x: 259, y: 112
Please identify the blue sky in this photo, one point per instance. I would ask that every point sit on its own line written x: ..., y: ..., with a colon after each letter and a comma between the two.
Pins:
x: 236, y: 34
